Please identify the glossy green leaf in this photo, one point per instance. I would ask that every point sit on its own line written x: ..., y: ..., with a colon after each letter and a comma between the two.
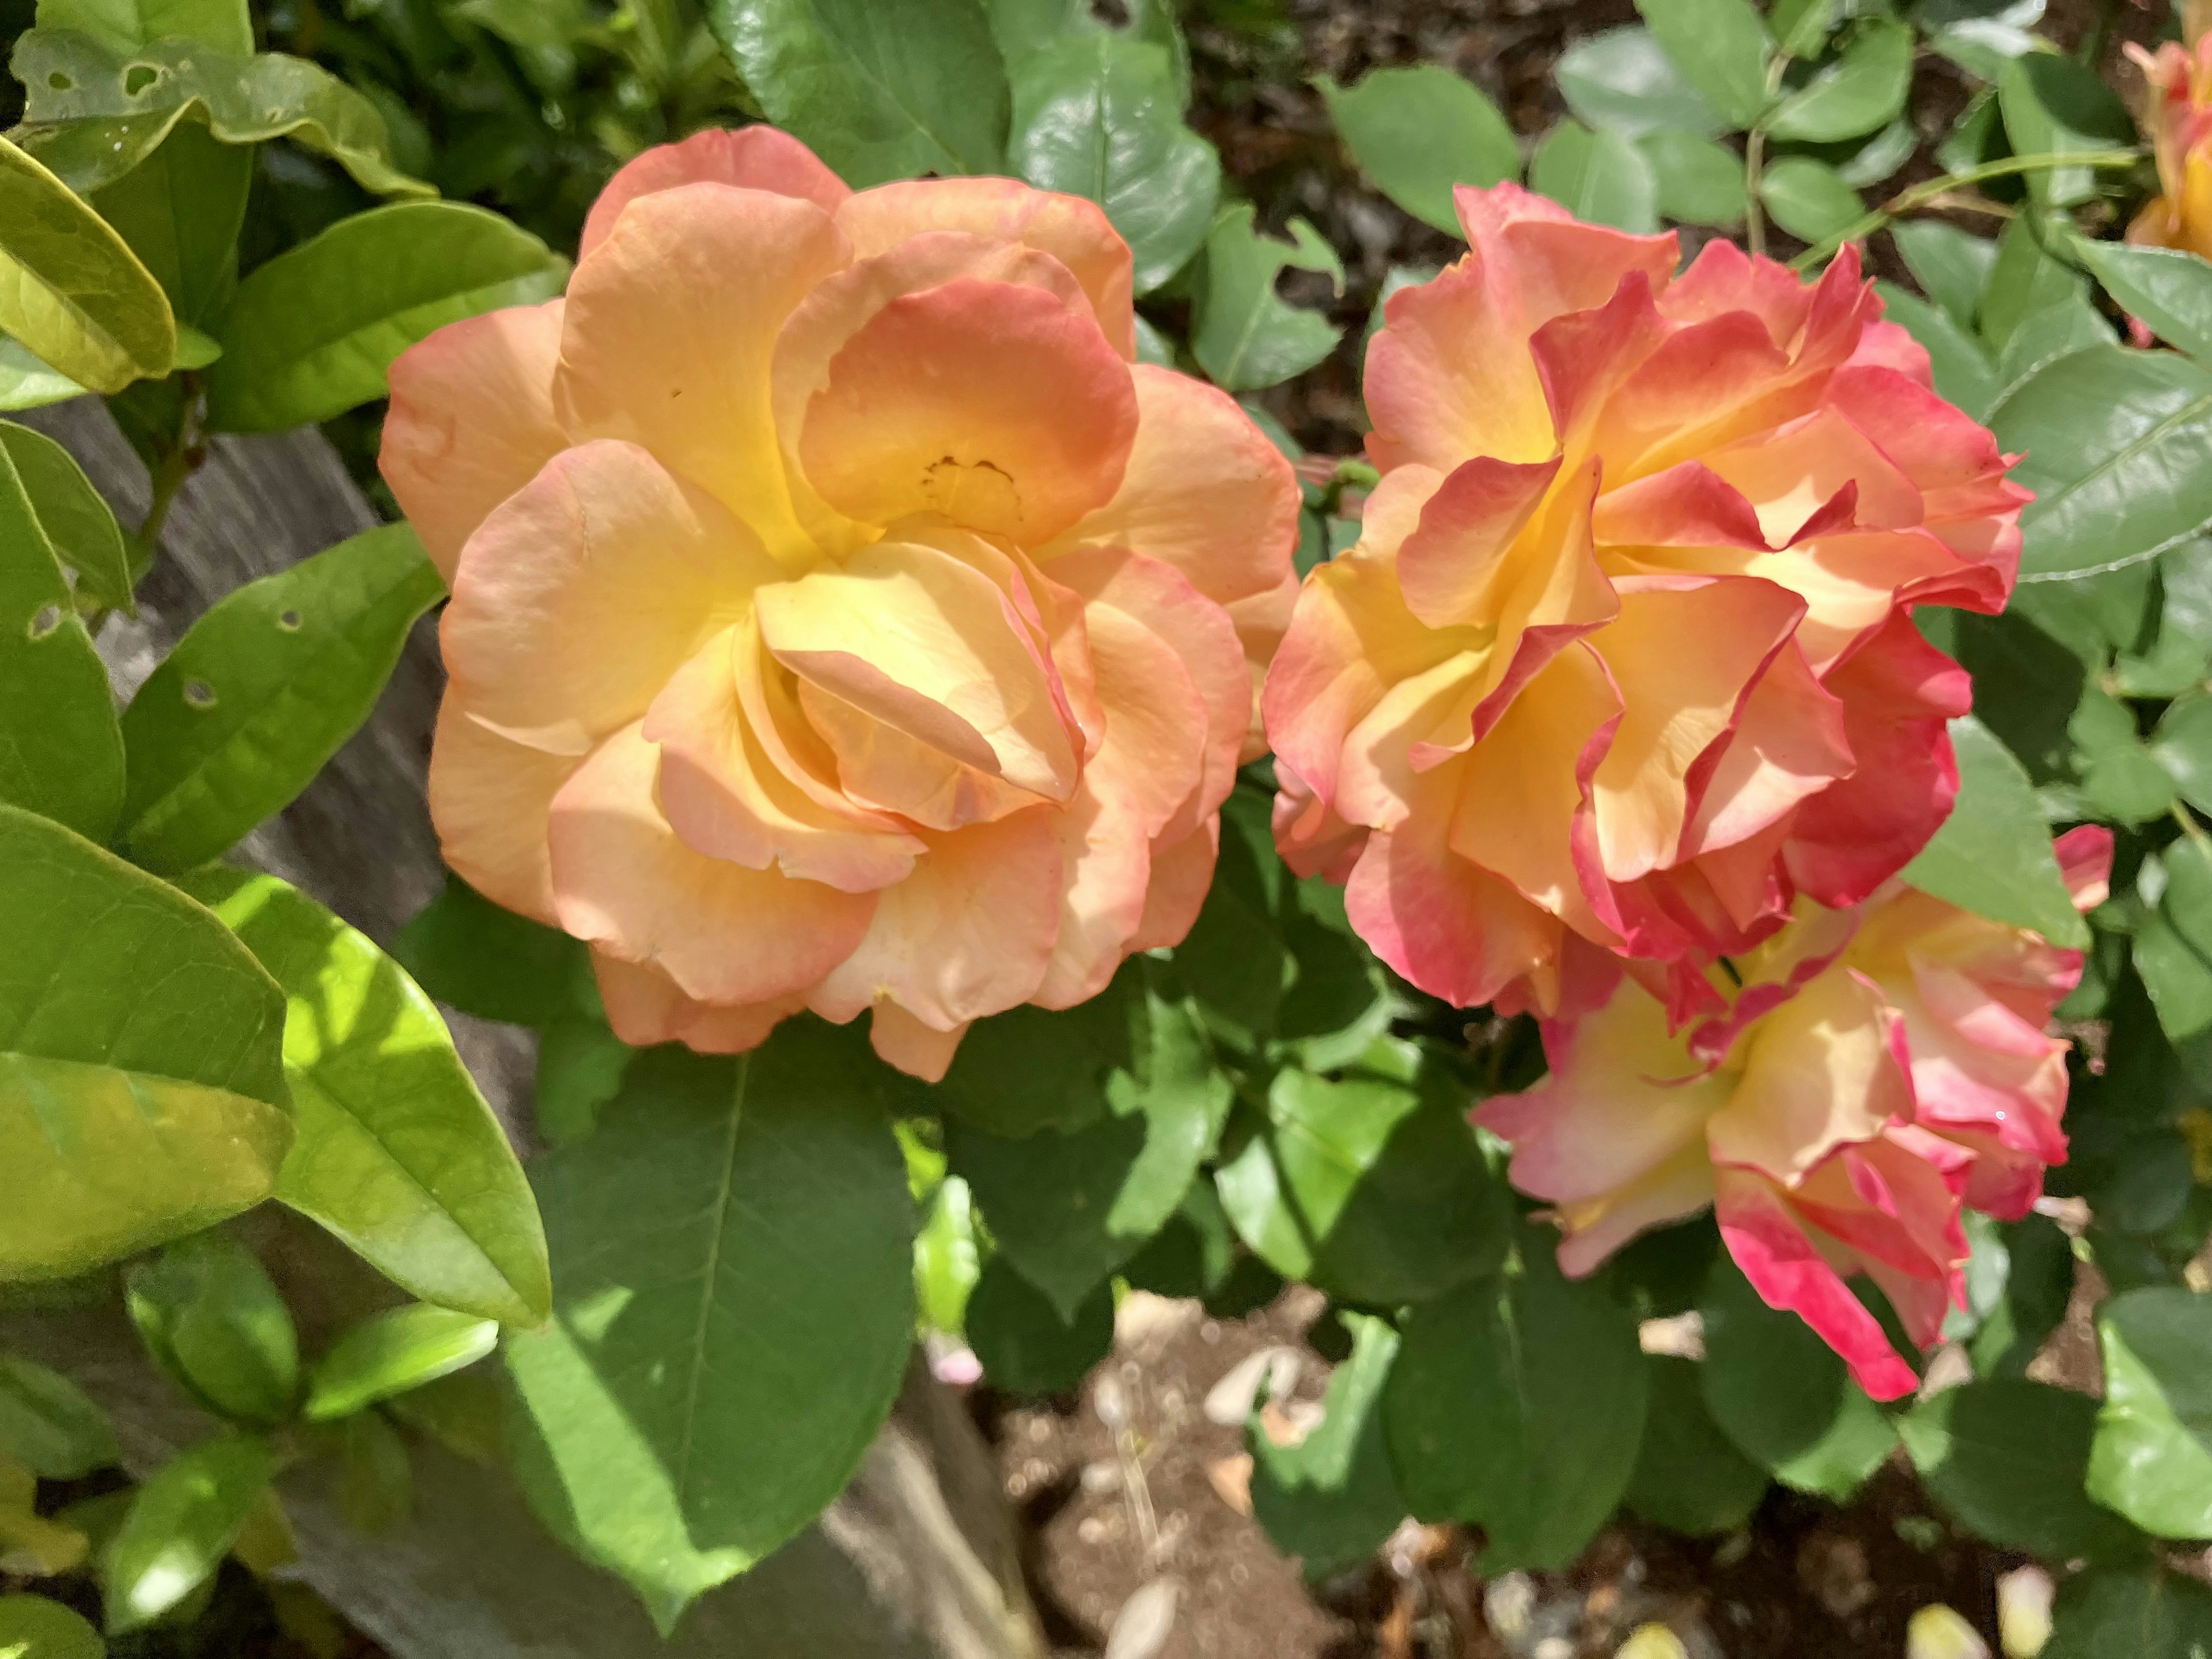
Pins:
x: 1099, y: 114
x: 485, y: 960
x: 2174, y: 660
x: 1721, y: 48
x: 728, y: 1212
x: 2045, y: 335
x: 1242, y: 334
x: 396, y: 1151
x: 1066, y: 1209
x: 49, y: 1425
x: 181, y: 1523
x: 2054, y: 105
x: 1376, y: 1190
x: 181, y: 209
x: 1419, y: 131
x: 1623, y: 79
x: 2182, y: 743
x: 93, y: 114
x: 2152, y: 1459
x: 1951, y: 266
x: 261, y: 691
x: 1964, y: 375
x: 2147, y: 1615
x: 880, y: 89
x: 1517, y: 1404
x: 2170, y: 290
x: 1599, y: 176
x: 312, y: 331
x: 70, y: 289
x: 2119, y: 452
x: 1782, y: 1395
x: 1810, y: 198
x: 1993, y: 854
x: 391, y: 1353
x: 77, y: 521
x: 2024, y: 280
x: 27, y: 383
x: 63, y: 755
x: 142, y: 1091
x: 1023, y: 1343
x: 1688, y: 1478
x: 32, y: 1627
x: 2005, y: 1459
x: 1700, y: 181
x: 1330, y: 1499
x: 125, y: 26
x: 212, y: 1319
x: 1862, y: 90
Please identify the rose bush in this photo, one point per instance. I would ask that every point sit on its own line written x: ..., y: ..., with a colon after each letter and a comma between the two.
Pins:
x: 840, y: 619
x: 1876, y: 1070
x: 1641, y: 565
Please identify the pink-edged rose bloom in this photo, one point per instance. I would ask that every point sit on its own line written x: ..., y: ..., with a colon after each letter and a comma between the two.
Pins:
x: 2179, y: 119
x: 842, y: 618
x: 1880, y: 1069
x: 1622, y: 661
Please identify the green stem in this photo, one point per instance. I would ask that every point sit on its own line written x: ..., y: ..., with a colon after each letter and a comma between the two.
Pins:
x: 1921, y: 195
x: 1754, y: 159
x: 186, y: 452
x: 2195, y: 831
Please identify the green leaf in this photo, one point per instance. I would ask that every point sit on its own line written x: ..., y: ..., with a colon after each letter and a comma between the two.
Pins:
x: 2152, y: 1460
x: 142, y: 1091
x: 212, y: 1319
x: 880, y: 89
x: 1032, y: 1069
x: 2039, y: 1282
x: 396, y: 1152
x: 1700, y: 181
x: 1420, y: 130
x: 49, y: 1424
x: 2182, y: 743
x: 376, y: 1476
x: 126, y: 25
x: 70, y: 288
x: 1782, y: 1395
x: 1810, y: 198
x: 1964, y: 375
x: 1066, y: 1209
x: 1802, y: 25
x: 77, y: 521
x: 1518, y: 1405
x: 1993, y: 854
x: 580, y: 1064
x: 27, y: 383
x: 948, y: 1258
x: 1862, y: 90
x: 1100, y: 115
x: 2006, y: 1457
x: 1688, y: 1478
x: 1599, y: 176
x: 261, y: 691
x: 2174, y: 660
x: 312, y: 331
x: 2053, y: 105
x: 2149, y: 1616
x: 2024, y: 280
x: 1023, y: 1344
x: 1376, y: 1191
x: 2171, y: 291
x: 733, y: 1253
x: 1242, y: 334
x: 1721, y: 48
x: 182, y: 1522
x: 32, y: 1627
x: 1234, y: 959
x: 2171, y: 940
x: 2045, y: 335
x: 391, y: 1353
x: 1330, y: 1499
x: 485, y: 960
x: 1622, y: 80
x: 1951, y: 266
x: 61, y: 751
x: 94, y: 114
x: 181, y: 209
x: 2119, y: 452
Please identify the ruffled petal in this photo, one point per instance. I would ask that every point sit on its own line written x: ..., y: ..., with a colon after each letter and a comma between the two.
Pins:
x: 489, y: 798
x: 645, y: 1006
x: 758, y: 157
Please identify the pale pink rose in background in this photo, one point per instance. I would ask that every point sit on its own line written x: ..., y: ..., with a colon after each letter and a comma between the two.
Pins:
x: 1880, y: 1069
x: 840, y: 619
x: 1622, y: 662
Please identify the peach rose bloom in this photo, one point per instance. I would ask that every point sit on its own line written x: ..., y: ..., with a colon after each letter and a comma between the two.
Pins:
x: 2179, y: 119
x: 840, y: 619
x: 1880, y: 1069
x: 1621, y: 661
